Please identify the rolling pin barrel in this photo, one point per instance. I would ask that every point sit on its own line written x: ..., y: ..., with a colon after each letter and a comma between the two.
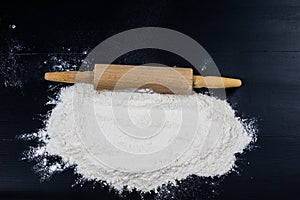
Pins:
x: 163, y: 80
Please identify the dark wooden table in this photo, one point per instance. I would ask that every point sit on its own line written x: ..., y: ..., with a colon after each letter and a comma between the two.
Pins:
x: 258, y: 41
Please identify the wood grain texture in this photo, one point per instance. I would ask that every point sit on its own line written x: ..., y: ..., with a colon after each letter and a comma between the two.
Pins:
x: 70, y: 77
x: 215, y: 82
x: 163, y: 80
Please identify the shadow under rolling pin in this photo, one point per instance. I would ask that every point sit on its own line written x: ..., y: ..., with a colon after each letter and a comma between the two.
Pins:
x: 165, y: 80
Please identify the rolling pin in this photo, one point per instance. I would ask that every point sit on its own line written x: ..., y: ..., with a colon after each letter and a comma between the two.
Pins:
x: 165, y: 80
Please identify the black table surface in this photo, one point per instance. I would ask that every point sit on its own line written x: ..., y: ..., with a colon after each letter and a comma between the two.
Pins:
x: 258, y: 41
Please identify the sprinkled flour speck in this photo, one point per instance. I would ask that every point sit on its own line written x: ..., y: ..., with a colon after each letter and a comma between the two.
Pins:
x: 12, y: 26
x: 141, y: 140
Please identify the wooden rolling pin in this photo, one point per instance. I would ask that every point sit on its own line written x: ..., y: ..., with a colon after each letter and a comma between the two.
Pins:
x: 166, y: 80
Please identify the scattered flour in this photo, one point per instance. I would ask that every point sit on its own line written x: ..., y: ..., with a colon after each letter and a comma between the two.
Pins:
x: 141, y: 140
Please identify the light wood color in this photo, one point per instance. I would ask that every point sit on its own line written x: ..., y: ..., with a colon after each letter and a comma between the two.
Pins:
x: 165, y: 80
x: 159, y: 79
x: 215, y: 82
x: 70, y: 77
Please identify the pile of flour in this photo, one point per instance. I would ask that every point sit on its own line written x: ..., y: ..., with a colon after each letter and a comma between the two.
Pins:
x: 141, y: 140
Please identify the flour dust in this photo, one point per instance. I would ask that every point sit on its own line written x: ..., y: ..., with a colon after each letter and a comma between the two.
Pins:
x: 139, y: 140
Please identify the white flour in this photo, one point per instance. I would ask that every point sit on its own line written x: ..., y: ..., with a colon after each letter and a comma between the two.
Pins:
x: 142, y: 140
